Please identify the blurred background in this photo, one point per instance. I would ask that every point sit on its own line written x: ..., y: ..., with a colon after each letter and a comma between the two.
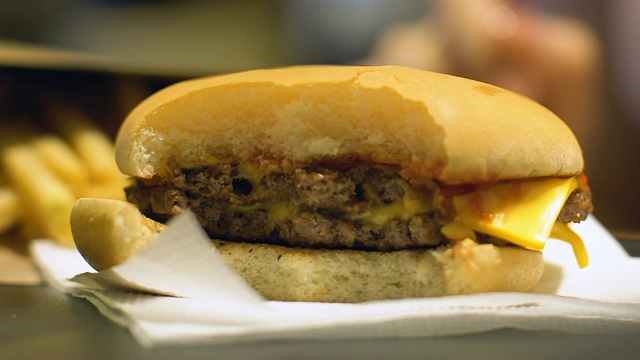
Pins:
x: 577, y: 57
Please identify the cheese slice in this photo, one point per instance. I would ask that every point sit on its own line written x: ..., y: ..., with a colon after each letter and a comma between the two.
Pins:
x: 521, y: 212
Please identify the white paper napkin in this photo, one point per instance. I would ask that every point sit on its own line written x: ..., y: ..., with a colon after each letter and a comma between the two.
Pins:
x: 178, y: 290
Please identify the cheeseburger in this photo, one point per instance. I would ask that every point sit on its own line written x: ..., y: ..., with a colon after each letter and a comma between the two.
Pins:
x: 348, y: 184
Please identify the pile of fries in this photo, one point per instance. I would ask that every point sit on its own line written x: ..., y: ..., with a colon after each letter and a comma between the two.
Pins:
x: 45, y: 168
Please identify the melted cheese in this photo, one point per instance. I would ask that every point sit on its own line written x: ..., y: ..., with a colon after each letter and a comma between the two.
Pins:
x: 521, y: 212
x: 412, y: 203
x: 562, y: 231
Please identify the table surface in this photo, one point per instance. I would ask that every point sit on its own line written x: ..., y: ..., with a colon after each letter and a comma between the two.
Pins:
x: 39, y: 322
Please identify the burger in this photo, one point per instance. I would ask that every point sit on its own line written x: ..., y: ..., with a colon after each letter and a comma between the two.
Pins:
x: 348, y: 183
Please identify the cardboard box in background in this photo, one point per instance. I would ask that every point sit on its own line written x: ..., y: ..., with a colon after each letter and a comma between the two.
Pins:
x: 156, y: 37
x: 106, y: 87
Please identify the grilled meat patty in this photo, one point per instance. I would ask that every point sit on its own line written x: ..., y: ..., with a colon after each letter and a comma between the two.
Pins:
x: 358, y: 207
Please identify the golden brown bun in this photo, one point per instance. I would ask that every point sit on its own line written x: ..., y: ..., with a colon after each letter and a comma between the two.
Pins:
x: 431, y: 125
x: 107, y: 232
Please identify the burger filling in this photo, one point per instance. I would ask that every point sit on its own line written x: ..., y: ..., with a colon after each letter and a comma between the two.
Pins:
x: 357, y: 207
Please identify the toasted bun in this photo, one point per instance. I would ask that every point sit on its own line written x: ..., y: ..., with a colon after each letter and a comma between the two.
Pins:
x: 431, y: 125
x: 108, y: 232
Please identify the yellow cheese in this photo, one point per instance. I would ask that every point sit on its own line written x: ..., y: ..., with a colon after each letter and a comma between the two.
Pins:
x: 458, y: 231
x: 412, y: 203
x: 562, y: 231
x: 521, y: 212
x: 382, y: 214
x: 280, y: 211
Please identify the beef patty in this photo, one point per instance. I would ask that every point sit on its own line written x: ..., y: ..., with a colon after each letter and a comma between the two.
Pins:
x: 359, y: 207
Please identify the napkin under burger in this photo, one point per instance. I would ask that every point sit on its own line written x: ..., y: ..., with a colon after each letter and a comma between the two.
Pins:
x: 341, y: 183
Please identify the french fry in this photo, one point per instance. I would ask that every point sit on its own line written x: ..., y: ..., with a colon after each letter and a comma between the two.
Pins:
x: 62, y: 159
x: 9, y: 209
x: 47, y: 200
x: 91, y: 143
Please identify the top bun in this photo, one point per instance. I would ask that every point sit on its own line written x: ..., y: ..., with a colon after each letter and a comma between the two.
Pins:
x: 431, y: 125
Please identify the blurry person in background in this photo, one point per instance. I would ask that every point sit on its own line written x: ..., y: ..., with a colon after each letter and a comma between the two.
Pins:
x: 556, y: 60
x: 624, y: 29
x: 552, y: 59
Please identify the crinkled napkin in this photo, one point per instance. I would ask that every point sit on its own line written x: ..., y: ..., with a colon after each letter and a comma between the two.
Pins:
x: 178, y: 290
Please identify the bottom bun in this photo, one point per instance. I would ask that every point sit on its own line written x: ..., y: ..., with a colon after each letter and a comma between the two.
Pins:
x: 107, y: 232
